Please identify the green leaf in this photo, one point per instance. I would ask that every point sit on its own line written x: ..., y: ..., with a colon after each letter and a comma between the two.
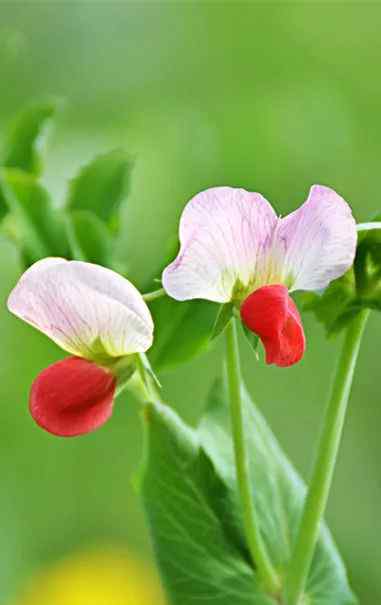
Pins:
x: 224, y: 316
x: 189, y: 509
x: 357, y: 289
x: 337, y: 305
x: 182, y: 330
x: 192, y: 502
x: 36, y: 226
x: 101, y: 186
x: 23, y: 146
x: 89, y: 238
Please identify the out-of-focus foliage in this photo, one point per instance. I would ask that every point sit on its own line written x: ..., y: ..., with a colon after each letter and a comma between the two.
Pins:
x: 268, y: 96
x: 89, y: 238
x: 85, y: 227
x: 38, y: 228
x: 24, y: 144
x: 101, y: 186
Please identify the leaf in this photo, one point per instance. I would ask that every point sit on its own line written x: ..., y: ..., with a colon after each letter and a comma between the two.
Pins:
x: 337, y: 305
x: 24, y: 143
x: 368, y: 267
x: 182, y: 330
x: 89, y: 238
x: 223, y: 317
x: 357, y: 289
x: 101, y: 185
x: 279, y: 495
x: 188, y: 507
x: 35, y: 225
x: 191, y: 499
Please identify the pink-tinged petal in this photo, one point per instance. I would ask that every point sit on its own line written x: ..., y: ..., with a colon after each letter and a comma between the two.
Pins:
x: 84, y: 308
x: 72, y: 397
x: 317, y: 243
x: 224, y: 236
x: 270, y: 313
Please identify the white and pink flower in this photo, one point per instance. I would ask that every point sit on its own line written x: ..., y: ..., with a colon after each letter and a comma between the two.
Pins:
x: 234, y: 248
x: 98, y: 317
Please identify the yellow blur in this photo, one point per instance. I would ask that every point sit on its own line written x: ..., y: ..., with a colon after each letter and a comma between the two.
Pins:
x: 106, y: 577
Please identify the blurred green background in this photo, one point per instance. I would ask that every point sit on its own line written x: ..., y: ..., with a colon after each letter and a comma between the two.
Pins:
x: 273, y: 97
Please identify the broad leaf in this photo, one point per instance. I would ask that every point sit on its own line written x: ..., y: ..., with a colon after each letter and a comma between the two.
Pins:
x: 189, y: 509
x: 182, y: 330
x: 23, y: 146
x: 191, y: 498
x: 34, y: 224
x: 89, y: 238
x: 101, y: 186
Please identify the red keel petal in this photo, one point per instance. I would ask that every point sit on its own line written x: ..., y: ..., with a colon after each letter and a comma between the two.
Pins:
x: 72, y: 397
x: 274, y: 317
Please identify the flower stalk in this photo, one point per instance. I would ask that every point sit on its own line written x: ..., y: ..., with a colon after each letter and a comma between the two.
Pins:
x: 150, y: 296
x: 257, y: 547
x: 322, y: 476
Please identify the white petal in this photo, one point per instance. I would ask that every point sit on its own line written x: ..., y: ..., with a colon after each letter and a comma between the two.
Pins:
x: 316, y: 243
x: 224, y: 236
x: 83, y: 308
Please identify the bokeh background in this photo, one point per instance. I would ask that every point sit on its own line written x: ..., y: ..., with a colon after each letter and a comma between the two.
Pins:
x: 273, y: 97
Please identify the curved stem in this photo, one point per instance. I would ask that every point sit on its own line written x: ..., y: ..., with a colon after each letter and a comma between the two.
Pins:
x: 321, y: 481
x: 154, y: 295
x: 256, y: 545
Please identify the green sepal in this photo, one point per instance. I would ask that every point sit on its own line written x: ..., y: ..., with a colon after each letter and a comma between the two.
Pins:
x: 224, y: 315
x: 192, y: 502
x: 101, y: 186
x: 33, y: 223
x: 123, y: 368
x: 252, y: 339
x: 146, y: 371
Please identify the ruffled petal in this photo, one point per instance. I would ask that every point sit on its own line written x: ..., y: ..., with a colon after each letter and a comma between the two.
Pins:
x: 317, y: 243
x: 88, y: 310
x: 72, y: 397
x: 225, y: 234
x: 270, y: 313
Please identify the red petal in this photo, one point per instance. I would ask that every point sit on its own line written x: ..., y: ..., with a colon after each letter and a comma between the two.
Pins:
x: 273, y: 316
x: 72, y: 397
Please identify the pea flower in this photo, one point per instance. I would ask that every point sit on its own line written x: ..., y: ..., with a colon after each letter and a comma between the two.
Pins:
x: 234, y: 248
x: 98, y: 317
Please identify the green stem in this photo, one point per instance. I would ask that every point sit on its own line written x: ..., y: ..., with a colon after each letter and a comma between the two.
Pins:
x: 328, y: 448
x: 154, y: 295
x: 259, y: 555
